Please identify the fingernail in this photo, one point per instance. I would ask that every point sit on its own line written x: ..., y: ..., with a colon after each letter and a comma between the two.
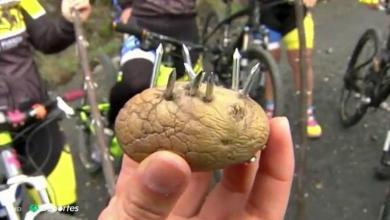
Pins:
x: 285, y: 121
x: 164, y: 177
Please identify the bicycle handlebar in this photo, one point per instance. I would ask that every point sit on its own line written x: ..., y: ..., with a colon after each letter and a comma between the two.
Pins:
x: 143, y: 34
x: 38, y: 110
x: 130, y: 29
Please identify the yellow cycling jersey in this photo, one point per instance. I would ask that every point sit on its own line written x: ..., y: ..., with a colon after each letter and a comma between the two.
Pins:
x: 25, y: 25
x: 13, y: 23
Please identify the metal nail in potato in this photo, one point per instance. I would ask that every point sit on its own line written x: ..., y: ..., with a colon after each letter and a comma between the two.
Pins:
x: 210, y: 127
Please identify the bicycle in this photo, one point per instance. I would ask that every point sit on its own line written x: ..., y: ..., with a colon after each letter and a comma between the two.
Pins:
x: 366, y: 82
x: 12, y: 173
x: 105, y: 75
x: 167, y: 50
x: 92, y: 110
x: 107, y: 70
x: 252, y: 44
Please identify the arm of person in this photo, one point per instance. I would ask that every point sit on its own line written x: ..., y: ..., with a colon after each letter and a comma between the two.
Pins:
x: 127, y: 10
x: 310, y: 3
x: 48, y: 34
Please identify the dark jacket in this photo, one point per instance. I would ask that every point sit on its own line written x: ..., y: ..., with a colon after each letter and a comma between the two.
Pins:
x: 152, y: 8
x: 25, y: 27
x: 280, y: 18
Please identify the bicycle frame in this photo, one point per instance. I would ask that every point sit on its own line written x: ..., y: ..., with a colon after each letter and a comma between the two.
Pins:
x: 15, y: 179
x: 383, y: 89
x: 253, y: 12
x: 86, y: 125
x: 9, y: 160
x: 224, y: 60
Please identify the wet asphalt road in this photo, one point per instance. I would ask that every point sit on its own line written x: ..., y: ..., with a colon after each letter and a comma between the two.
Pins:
x: 339, y: 181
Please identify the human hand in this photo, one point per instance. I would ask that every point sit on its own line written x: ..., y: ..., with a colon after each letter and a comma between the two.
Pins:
x: 126, y: 14
x: 82, y: 6
x: 310, y: 3
x: 163, y: 187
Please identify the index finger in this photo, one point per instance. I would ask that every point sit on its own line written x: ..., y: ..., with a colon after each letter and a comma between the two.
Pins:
x: 271, y: 190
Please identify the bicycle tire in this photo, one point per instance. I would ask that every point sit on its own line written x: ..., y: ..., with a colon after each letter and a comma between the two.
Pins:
x: 351, y: 77
x: 86, y: 145
x: 210, y: 22
x: 213, y: 42
x: 268, y: 66
x: 56, y: 216
x: 105, y: 75
x: 384, y: 213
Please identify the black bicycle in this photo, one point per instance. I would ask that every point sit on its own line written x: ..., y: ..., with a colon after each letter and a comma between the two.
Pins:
x: 367, y: 85
x: 367, y: 78
x: 251, y: 40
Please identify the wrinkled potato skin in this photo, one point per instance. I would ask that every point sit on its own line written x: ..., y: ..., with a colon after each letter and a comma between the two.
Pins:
x: 209, y: 135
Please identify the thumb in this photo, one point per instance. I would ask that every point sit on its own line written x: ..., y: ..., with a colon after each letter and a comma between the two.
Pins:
x: 155, y: 187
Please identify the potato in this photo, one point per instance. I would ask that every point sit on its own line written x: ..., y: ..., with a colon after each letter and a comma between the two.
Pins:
x: 209, y: 132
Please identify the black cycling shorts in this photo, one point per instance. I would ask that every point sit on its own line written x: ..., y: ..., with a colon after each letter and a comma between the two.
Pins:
x: 280, y: 18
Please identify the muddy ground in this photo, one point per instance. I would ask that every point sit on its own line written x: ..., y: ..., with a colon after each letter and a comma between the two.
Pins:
x: 340, y: 183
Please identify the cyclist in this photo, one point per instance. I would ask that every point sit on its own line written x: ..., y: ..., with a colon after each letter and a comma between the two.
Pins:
x: 281, y: 22
x: 174, y: 18
x: 26, y: 25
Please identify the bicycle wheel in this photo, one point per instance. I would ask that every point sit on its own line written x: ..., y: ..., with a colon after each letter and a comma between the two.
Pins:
x: 86, y: 146
x: 209, y: 23
x: 384, y: 213
x: 105, y: 75
x: 269, y: 69
x: 212, y: 41
x: 354, y: 97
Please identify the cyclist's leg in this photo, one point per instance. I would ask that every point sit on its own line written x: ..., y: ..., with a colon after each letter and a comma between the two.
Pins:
x: 136, y: 67
x: 291, y: 40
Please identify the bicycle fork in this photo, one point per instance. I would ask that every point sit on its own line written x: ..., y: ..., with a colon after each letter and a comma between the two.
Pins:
x: 15, y: 179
